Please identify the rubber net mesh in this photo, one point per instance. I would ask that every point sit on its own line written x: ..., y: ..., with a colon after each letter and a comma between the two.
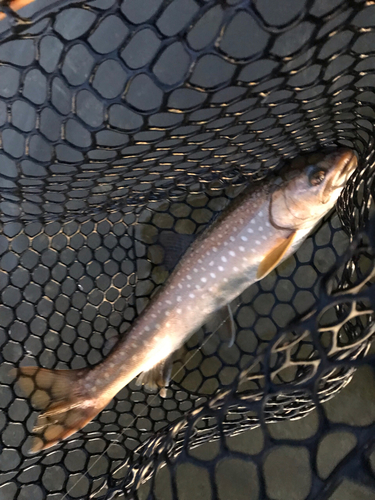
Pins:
x: 122, y: 121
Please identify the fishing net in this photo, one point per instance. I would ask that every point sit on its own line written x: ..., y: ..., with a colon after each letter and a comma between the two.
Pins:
x: 125, y: 121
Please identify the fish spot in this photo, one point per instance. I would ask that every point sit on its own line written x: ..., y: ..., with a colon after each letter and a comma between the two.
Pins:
x: 153, y: 315
x: 191, y: 295
x: 203, y: 280
x: 188, y: 286
x: 197, y: 287
x: 221, y: 268
x: 223, y: 259
x: 232, y: 238
x: 157, y: 325
x: 188, y: 277
x: 241, y: 248
x: 226, y: 243
x: 268, y: 224
x: 195, y: 270
x: 253, y: 250
x: 260, y: 228
x: 225, y: 280
x: 233, y: 254
x: 213, y: 275
x: 214, y: 249
x: 235, y: 269
x: 253, y: 221
x: 264, y: 237
x: 178, y: 311
x: 167, y: 324
x: 257, y: 242
x: 211, y: 263
x: 179, y: 298
x: 200, y: 261
x: 208, y: 253
x: 167, y: 313
x: 243, y: 238
x: 168, y: 302
x: 147, y: 328
x: 249, y: 230
x: 179, y: 285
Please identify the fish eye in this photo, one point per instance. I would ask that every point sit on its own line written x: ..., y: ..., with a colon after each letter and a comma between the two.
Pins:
x: 316, y: 176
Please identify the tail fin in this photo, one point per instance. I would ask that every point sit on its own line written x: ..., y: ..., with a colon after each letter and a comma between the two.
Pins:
x: 66, y: 408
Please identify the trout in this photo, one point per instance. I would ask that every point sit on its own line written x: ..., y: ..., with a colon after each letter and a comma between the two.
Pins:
x: 263, y: 226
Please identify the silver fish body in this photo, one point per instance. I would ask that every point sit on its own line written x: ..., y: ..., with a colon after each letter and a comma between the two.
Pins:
x: 261, y: 228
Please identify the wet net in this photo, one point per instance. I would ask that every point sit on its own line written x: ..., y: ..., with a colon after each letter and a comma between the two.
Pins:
x: 123, y: 121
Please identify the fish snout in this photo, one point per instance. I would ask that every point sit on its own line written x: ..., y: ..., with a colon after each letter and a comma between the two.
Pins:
x: 346, y: 164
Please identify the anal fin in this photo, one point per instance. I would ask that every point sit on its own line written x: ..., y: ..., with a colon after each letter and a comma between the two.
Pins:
x: 158, y: 377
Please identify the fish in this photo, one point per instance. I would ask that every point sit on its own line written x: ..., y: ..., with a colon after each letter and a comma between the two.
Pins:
x: 258, y: 230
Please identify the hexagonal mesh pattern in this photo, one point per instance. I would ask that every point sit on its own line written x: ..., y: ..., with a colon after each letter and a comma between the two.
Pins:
x: 122, y: 121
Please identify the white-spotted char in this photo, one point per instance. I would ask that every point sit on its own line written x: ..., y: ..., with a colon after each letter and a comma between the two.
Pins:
x: 262, y: 227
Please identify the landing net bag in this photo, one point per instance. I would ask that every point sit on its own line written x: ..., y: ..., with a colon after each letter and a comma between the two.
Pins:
x: 122, y: 121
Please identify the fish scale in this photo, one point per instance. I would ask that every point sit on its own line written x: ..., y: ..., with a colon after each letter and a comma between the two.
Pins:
x: 264, y: 225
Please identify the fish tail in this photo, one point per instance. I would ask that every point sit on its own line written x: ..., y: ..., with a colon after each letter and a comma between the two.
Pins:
x: 66, y: 408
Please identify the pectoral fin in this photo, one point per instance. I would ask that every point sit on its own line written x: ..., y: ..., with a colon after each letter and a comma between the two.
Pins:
x: 158, y: 376
x: 275, y: 256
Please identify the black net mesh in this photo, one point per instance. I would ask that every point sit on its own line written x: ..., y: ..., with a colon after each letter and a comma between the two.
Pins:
x: 121, y: 121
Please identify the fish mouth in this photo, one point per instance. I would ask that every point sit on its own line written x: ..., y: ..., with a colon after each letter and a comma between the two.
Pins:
x: 341, y: 166
x: 346, y: 162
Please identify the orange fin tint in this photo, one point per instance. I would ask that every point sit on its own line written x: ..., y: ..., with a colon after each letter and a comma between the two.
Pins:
x: 57, y: 393
x: 158, y: 376
x: 275, y: 256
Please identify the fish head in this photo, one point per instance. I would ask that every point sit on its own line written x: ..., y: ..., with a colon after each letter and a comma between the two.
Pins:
x: 310, y: 188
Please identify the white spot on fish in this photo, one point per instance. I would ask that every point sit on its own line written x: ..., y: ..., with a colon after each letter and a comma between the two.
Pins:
x: 188, y: 277
x: 233, y: 254
x: 153, y: 315
x: 168, y: 302
x: 257, y: 242
x: 243, y: 238
x: 179, y: 298
x: 241, y: 248
x: 195, y: 270
x: 264, y: 237
x: 188, y: 286
x: 191, y: 295
x: 253, y: 221
x: 178, y: 311
x: 260, y: 214
x: 235, y: 269
x: 167, y: 324
x: 260, y: 228
x: 167, y: 313
x: 179, y: 285
x: 204, y: 280
x: 200, y: 261
x: 225, y: 243
x: 221, y: 268
x: 197, y: 287
x: 224, y: 259
x: 211, y: 263
x: 147, y: 328
x: 232, y: 238
x: 249, y: 230
x: 225, y: 280
x: 268, y: 224
x: 214, y: 249
x: 213, y: 275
